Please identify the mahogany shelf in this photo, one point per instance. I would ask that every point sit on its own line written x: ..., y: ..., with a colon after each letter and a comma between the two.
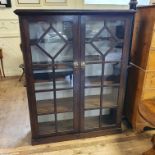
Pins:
x: 47, y: 128
x: 66, y: 104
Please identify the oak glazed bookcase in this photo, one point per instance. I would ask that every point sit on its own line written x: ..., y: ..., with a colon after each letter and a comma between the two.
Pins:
x: 76, y: 66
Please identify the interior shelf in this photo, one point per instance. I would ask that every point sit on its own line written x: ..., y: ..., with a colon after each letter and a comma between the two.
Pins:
x: 96, y: 80
x: 47, y: 106
x: 93, y: 122
x: 66, y: 104
x: 93, y: 102
x: 48, y: 76
x: 47, y: 128
x: 48, y: 65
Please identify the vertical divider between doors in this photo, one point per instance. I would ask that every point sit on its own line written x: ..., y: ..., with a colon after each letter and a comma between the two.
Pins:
x: 82, y: 71
x: 76, y: 73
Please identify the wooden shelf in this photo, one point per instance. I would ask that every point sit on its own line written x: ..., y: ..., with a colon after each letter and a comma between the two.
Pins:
x: 47, y: 128
x: 47, y: 106
x: 48, y: 76
x: 93, y: 102
x: 48, y: 65
x: 96, y: 80
x: 93, y: 122
x: 66, y: 104
x: 97, y: 59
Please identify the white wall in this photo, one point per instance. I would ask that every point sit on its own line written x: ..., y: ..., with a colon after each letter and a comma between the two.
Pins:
x: 10, y: 37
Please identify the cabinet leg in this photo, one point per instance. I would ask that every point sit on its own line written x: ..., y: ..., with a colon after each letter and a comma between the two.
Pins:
x: 2, y: 68
x: 0, y: 73
x: 20, y: 78
x: 152, y: 150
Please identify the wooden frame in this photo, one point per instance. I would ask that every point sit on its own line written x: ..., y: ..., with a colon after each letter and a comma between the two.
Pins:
x: 7, y: 4
x: 30, y: 3
x: 76, y: 17
x: 55, y: 2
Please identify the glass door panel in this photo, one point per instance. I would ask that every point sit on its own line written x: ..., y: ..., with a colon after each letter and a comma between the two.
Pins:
x: 112, y: 73
x: 46, y: 124
x: 108, y: 117
x: 92, y: 98
x: 110, y: 96
x: 53, y: 55
x: 93, y: 74
x: 91, y: 119
x: 101, y: 63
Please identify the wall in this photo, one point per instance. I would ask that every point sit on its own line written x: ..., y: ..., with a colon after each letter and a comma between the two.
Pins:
x: 152, y: 1
x: 10, y: 37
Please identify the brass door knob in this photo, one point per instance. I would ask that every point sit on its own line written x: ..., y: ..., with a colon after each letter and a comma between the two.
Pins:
x: 83, y: 64
x: 75, y: 64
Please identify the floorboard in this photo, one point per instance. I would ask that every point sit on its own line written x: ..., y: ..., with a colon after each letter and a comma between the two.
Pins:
x: 15, y: 131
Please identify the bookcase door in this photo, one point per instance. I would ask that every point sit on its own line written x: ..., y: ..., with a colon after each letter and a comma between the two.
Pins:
x: 55, y: 73
x: 103, y: 57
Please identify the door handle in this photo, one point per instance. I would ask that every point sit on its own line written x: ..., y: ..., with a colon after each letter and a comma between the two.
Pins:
x: 75, y: 64
x: 83, y: 64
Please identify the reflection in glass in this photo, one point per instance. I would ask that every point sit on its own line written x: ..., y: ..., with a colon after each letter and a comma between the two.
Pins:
x: 110, y: 96
x: 112, y: 73
x: 46, y: 124
x: 44, y: 96
x: 92, y: 98
x: 108, y: 117
x: 114, y: 55
x: 91, y: 119
x: 64, y: 100
x: 43, y: 86
x: 93, y: 73
x: 65, y: 121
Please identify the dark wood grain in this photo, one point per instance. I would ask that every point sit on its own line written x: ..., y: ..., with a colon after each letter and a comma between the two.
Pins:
x: 80, y: 102
x: 140, y: 86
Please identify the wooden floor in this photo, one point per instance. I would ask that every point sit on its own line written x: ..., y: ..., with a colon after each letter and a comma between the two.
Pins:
x: 15, y: 131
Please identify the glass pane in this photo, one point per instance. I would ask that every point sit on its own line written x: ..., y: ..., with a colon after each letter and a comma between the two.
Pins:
x: 104, y: 41
x: 65, y: 56
x: 39, y: 57
x: 37, y: 29
x: 43, y: 86
x: 46, y: 124
x: 91, y: 119
x: 51, y: 43
x: 44, y: 96
x: 92, y: 98
x: 112, y: 73
x: 64, y: 100
x: 115, y: 54
x: 64, y: 75
x: 104, y: 38
x: 65, y: 121
x: 91, y: 55
x: 45, y: 103
x: 42, y: 75
x: 64, y: 27
x: 110, y: 96
x: 108, y: 117
x: 92, y: 28
x: 93, y: 73
x: 116, y: 27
